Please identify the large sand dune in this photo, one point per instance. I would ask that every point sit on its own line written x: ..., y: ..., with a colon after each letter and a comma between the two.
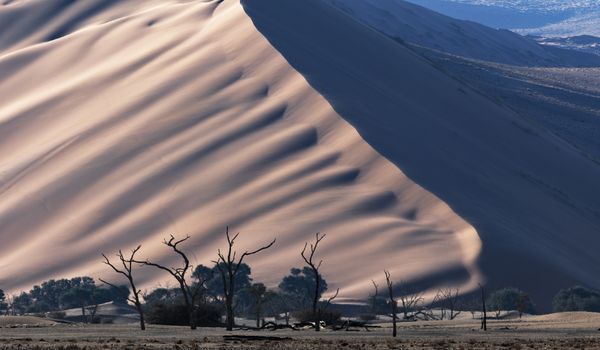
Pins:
x: 140, y: 119
x: 144, y: 118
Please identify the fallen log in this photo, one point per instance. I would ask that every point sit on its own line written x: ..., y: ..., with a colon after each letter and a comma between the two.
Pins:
x: 254, y: 338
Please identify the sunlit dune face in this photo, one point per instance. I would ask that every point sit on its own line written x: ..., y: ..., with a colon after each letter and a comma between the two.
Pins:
x: 121, y: 124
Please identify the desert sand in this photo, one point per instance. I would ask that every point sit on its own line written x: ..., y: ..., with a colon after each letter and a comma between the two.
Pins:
x: 556, y: 331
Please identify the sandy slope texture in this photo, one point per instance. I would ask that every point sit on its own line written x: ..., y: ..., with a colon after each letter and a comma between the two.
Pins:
x: 124, y: 121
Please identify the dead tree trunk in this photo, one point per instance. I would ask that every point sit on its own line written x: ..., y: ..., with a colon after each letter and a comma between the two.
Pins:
x: 484, y: 319
x: 190, y: 293
x: 374, y: 297
x: 393, y: 303
x: 127, y: 271
x: 229, y: 268
x: 309, y: 259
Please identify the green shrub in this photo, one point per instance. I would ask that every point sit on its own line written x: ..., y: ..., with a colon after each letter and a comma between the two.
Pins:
x: 577, y: 298
x: 507, y: 299
x: 176, y: 314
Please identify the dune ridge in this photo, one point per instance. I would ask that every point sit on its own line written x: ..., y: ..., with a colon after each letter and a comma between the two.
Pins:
x: 124, y: 121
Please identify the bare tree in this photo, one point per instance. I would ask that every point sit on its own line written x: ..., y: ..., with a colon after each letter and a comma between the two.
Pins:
x: 483, y: 308
x: 409, y: 298
x: 309, y: 258
x: 229, y: 267
x: 448, y: 299
x: 189, y: 291
x: 127, y: 271
x: 393, y: 302
x: 471, y: 304
x: 374, y: 297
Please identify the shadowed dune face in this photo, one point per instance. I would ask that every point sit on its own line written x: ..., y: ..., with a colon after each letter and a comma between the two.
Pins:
x: 534, y: 200
x: 124, y: 121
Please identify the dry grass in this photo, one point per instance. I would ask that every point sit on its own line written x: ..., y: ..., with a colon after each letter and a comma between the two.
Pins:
x: 573, y: 331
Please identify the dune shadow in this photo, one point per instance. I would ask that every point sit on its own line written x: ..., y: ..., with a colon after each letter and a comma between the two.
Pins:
x: 443, y: 135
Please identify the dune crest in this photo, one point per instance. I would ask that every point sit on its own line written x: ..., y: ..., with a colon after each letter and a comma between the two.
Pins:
x: 125, y: 122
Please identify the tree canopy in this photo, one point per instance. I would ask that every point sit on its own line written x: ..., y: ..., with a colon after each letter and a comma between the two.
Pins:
x: 577, y: 298
x: 510, y: 299
x: 63, y: 294
x: 299, y: 287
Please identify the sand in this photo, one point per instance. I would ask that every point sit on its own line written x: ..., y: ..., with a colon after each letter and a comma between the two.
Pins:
x: 529, y: 333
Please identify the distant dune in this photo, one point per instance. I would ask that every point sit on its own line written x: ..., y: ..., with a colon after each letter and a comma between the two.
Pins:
x: 420, y: 26
x: 124, y: 121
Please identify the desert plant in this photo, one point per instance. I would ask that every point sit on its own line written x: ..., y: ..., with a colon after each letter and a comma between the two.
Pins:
x: 298, y: 288
x: 309, y: 259
x: 483, y: 308
x: 511, y: 298
x: 127, y: 271
x: 577, y: 298
x: 229, y: 267
x: 409, y: 298
x: 176, y: 314
x: 393, y: 303
x: 447, y: 299
x: 190, y: 292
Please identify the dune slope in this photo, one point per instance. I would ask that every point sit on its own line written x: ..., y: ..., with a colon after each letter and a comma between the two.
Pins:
x: 124, y: 121
x: 534, y: 199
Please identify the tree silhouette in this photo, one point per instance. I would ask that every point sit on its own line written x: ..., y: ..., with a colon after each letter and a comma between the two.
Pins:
x: 393, y: 302
x: 127, y: 271
x: 189, y: 291
x: 229, y: 266
x: 309, y: 259
x: 484, y: 319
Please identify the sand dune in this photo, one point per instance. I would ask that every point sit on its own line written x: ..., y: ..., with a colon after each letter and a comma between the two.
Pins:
x: 124, y: 121
x: 281, y: 119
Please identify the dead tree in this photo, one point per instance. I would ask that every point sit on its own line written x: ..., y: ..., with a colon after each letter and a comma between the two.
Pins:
x: 229, y: 268
x: 393, y: 302
x: 484, y: 319
x: 190, y: 292
x: 374, y: 297
x: 408, y: 297
x: 127, y: 271
x: 471, y: 304
x: 309, y: 257
x: 449, y: 299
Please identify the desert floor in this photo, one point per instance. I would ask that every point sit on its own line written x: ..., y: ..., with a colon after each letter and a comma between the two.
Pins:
x: 559, y: 331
